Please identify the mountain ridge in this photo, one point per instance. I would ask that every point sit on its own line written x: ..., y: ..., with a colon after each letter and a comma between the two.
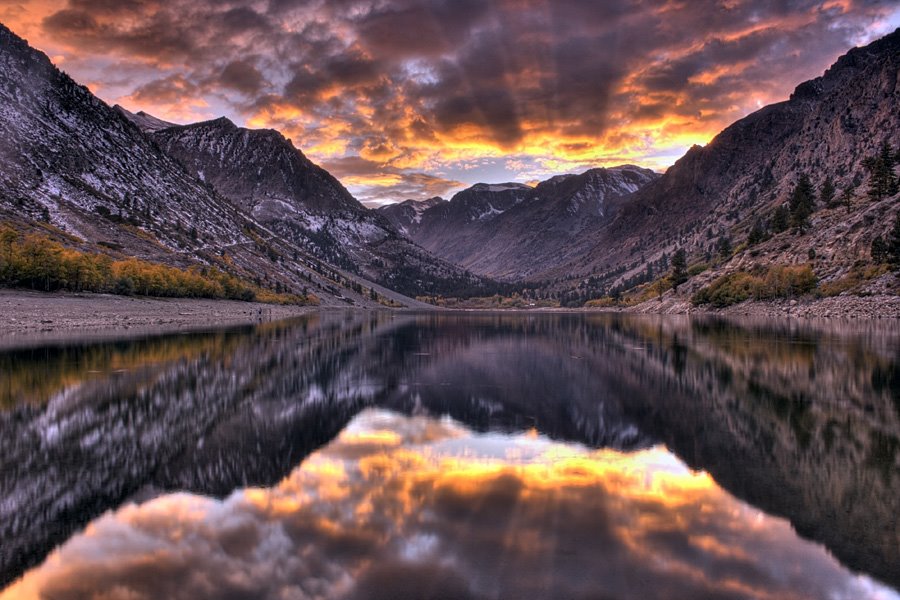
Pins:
x: 514, y: 231
x: 267, y: 177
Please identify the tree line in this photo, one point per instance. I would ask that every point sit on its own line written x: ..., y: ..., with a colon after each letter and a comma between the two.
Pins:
x: 37, y: 262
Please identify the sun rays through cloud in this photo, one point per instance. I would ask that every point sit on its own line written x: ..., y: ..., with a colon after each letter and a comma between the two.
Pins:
x: 417, y: 98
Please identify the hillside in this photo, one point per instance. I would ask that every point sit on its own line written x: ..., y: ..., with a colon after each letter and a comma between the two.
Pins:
x: 271, y: 181
x: 715, y: 194
x: 79, y: 172
x: 516, y: 232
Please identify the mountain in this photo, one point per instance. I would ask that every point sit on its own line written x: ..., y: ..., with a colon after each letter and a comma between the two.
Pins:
x: 826, y: 129
x: 80, y: 171
x: 92, y: 177
x: 405, y: 215
x: 270, y: 180
x: 146, y: 122
x: 612, y: 229
x: 513, y: 231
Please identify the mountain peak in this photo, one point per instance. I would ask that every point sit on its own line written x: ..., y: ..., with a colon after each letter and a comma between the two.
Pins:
x: 145, y: 121
x: 222, y: 121
x: 499, y: 187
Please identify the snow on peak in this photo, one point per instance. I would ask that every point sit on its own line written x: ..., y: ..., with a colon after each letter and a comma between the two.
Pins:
x: 499, y: 187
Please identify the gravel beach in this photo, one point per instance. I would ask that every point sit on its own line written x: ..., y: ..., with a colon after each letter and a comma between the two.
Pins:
x: 27, y: 315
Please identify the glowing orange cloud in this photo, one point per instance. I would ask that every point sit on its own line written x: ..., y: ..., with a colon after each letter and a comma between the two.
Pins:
x: 551, y: 87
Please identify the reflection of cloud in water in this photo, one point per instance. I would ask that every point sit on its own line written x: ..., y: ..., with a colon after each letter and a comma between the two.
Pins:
x: 403, y: 507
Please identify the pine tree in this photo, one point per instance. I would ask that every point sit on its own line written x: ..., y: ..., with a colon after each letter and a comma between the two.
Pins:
x: 679, y: 268
x: 893, y: 243
x: 723, y: 247
x: 757, y: 233
x: 847, y: 198
x: 827, y: 193
x: 802, y: 203
x: 888, y: 159
x: 882, y: 181
x: 780, y: 219
x: 879, y: 250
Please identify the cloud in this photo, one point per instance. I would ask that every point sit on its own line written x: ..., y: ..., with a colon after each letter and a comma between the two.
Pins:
x: 411, y: 507
x: 440, y: 82
x: 380, y: 184
x: 243, y: 76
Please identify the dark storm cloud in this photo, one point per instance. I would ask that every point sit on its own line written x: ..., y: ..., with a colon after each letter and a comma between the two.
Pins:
x: 242, y: 76
x: 168, y: 89
x: 446, y: 80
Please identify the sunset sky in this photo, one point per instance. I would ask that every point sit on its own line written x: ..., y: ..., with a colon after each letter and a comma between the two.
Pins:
x: 414, y: 98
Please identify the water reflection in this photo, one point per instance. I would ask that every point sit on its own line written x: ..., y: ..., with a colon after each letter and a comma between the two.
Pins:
x: 798, y: 421
x: 414, y: 507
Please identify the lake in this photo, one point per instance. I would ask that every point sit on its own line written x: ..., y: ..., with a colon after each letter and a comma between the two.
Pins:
x: 450, y: 455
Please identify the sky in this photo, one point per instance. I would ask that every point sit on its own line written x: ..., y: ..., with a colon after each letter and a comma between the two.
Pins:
x: 417, y: 98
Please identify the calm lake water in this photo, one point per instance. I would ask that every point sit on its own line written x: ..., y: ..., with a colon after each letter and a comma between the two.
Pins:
x: 366, y: 455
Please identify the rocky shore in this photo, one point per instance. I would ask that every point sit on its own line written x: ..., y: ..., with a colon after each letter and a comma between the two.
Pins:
x: 880, y: 306
x: 26, y: 315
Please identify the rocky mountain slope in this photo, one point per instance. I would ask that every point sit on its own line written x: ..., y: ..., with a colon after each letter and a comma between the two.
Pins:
x: 81, y: 171
x: 826, y: 130
x: 145, y: 121
x: 407, y: 214
x: 267, y: 178
x: 92, y: 177
x: 513, y: 231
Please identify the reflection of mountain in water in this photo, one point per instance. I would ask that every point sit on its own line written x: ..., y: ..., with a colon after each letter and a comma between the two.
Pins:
x: 800, y: 424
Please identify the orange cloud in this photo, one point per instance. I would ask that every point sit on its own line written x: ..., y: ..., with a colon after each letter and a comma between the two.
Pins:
x: 420, y: 88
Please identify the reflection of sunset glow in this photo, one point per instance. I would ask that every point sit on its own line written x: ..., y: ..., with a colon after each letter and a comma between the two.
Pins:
x: 413, y: 501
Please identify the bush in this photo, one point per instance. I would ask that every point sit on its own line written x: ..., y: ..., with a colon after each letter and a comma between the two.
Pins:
x: 853, y: 280
x: 786, y: 282
x: 697, y: 269
x: 38, y: 262
x: 778, y: 281
x: 728, y: 289
x: 600, y: 302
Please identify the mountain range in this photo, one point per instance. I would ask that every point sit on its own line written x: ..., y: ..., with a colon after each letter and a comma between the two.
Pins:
x: 487, y: 228
x: 132, y: 185
x: 251, y: 203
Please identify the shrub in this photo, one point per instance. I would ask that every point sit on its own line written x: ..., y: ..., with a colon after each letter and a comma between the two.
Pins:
x: 38, y: 262
x: 697, y: 269
x: 778, y: 281
x: 728, y: 289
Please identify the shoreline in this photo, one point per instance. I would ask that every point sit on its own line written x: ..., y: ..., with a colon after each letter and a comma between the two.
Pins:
x: 875, y: 307
x: 27, y: 316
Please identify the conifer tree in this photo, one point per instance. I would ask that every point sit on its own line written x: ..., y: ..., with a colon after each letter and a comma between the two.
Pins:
x: 889, y: 160
x: 882, y: 181
x: 757, y: 233
x: 801, y: 204
x: 879, y: 250
x: 723, y: 247
x: 827, y: 193
x: 847, y: 198
x: 893, y: 243
x: 780, y: 219
x: 679, y: 268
